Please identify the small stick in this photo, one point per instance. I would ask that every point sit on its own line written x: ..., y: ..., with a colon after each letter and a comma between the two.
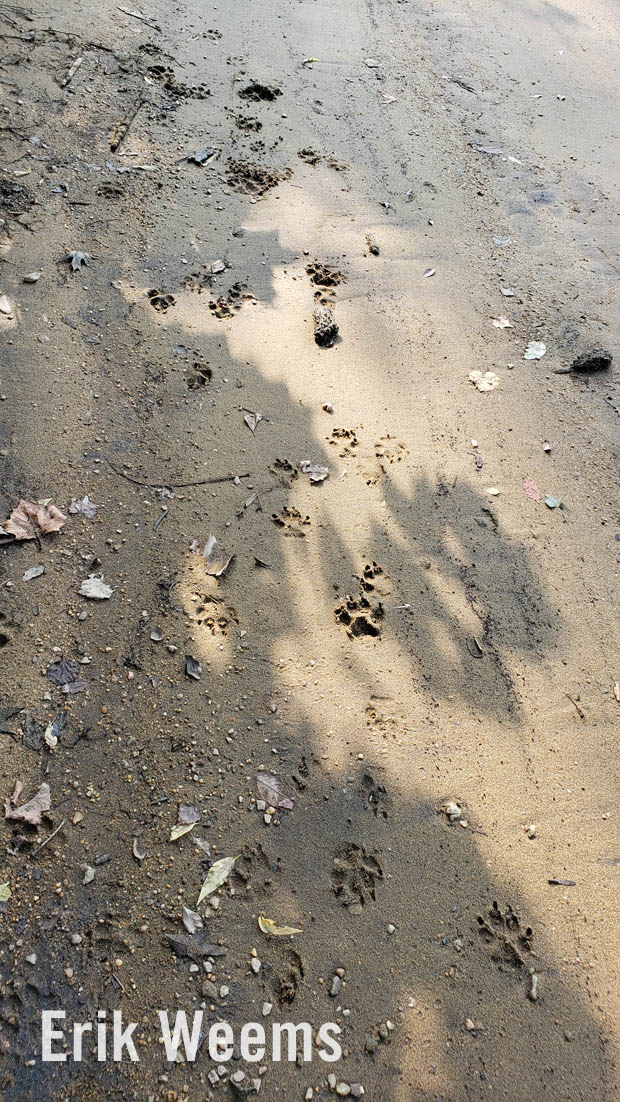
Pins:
x: 142, y: 18
x: 52, y: 835
x: 72, y: 71
x: 161, y: 519
x: 123, y: 127
x: 177, y: 485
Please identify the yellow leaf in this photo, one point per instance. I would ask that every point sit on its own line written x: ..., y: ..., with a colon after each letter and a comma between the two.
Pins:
x: 217, y: 874
x: 180, y: 829
x: 5, y: 893
x: 268, y: 926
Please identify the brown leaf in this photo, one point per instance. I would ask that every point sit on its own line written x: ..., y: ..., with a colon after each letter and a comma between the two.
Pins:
x: 271, y: 789
x: 30, y: 520
x: 252, y: 420
x: 216, y: 559
x: 32, y: 811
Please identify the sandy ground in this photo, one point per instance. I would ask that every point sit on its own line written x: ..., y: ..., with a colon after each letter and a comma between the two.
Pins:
x: 415, y: 639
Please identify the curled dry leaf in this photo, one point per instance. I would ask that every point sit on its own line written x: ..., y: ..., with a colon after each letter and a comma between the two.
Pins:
x: 31, y: 811
x: 193, y: 668
x: 156, y: 634
x: 138, y: 852
x: 95, y: 588
x: 315, y: 472
x: 252, y: 420
x: 29, y: 520
x: 216, y: 876
x: 191, y: 920
x: 271, y: 928
x: 179, y: 830
x: 216, y: 559
x: 271, y: 789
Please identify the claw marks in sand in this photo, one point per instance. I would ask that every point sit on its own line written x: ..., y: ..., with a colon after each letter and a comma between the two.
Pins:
x: 359, y: 615
x: 291, y: 522
x: 375, y: 796
x: 354, y: 876
x: 254, y: 871
x: 501, y: 931
x: 252, y: 179
x: 287, y: 978
x: 226, y: 306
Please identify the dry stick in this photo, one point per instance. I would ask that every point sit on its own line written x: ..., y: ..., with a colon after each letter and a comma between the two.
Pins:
x: 52, y: 835
x: 142, y: 18
x: 177, y: 485
x: 123, y: 127
x: 72, y: 71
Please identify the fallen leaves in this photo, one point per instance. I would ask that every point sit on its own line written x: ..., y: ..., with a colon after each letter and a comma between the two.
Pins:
x: 484, y: 380
x: 315, y: 472
x: 76, y: 259
x: 5, y: 893
x: 31, y: 519
x: 269, y: 927
x: 252, y: 420
x: 193, y: 668
x: 180, y: 829
x: 95, y: 588
x: 216, y: 876
x: 31, y: 811
x: 216, y: 559
x: 531, y: 490
x: 191, y: 920
x: 271, y: 789
x: 84, y: 506
x: 63, y: 672
x: 535, y: 350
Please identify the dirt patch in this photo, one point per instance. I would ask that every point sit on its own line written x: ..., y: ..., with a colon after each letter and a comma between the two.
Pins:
x: 253, y: 178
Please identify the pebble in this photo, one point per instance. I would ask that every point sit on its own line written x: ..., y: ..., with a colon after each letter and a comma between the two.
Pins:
x: 224, y: 991
x: 267, y: 1008
x: 336, y: 985
x: 357, y: 1090
x: 371, y: 1044
x: 331, y: 1081
x: 209, y: 990
x: 309, y: 1094
x: 343, y: 1089
x: 32, y: 959
x: 391, y: 928
x: 76, y: 939
x: 255, y: 965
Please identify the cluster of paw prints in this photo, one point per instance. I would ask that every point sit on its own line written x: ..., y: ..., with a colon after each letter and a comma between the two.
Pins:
x: 361, y: 615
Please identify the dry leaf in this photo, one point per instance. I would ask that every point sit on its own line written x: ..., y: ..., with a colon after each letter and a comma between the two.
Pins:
x: 5, y: 305
x: 30, y: 520
x: 617, y: 691
x: 76, y: 258
x: 484, y: 380
x: 138, y: 853
x: 84, y: 506
x: 32, y: 811
x: 502, y: 323
x: 95, y: 588
x: 314, y: 470
x: 535, y: 350
x: 217, y: 874
x: 271, y: 789
x: 268, y: 926
x: 34, y: 572
x: 530, y: 489
x: 180, y: 829
x: 193, y: 668
x: 188, y: 814
x: 191, y: 920
x: 63, y: 672
x: 5, y: 893
x: 216, y: 560
x: 252, y: 420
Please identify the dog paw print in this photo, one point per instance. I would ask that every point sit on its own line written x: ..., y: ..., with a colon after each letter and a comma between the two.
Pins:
x: 355, y: 873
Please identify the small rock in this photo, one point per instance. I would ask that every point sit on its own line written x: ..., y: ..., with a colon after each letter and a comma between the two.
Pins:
x: 357, y: 1090
x: 267, y: 1008
x: 452, y: 811
x: 255, y: 965
x: 76, y: 939
x: 336, y: 985
x: 224, y: 991
x: 309, y: 1094
x: 209, y: 990
x: 391, y: 928
x: 343, y: 1089
x: 32, y: 958
x: 371, y: 1045
x: 331, y: 1081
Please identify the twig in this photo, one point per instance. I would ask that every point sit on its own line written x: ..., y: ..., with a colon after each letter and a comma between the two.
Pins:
x: 580, y: 711
x: 52, y: 835
x: 122, y: 129
x: 72, y: 71
x: 142, y: 18
x: 176, y: 485
x: 161, y: 519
